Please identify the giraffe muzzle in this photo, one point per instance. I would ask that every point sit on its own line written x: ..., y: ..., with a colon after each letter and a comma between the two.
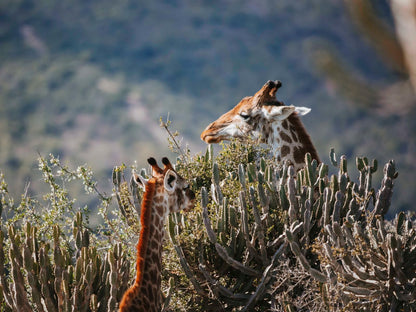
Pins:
x: 210, y: 135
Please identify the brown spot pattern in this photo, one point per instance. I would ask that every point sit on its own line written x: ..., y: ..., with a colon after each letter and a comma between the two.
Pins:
x: 160, y: 210
x: 303, y: 136
x: 299, y: 155
x: 150, y: 292
x: 285, y: 150
x: 285, y: 137
x: 158, y: 199
x: 294, y: 136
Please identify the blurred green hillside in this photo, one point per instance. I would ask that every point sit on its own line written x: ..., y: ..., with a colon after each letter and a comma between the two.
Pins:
x: 88, y: 80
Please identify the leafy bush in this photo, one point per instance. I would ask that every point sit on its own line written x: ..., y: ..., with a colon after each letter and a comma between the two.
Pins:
x: 50, y: 257
x: 261, y: 238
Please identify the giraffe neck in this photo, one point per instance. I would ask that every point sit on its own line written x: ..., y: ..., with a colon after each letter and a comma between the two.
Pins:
x: 149, y: 289
x: 290, y: 142
x: 144, y: 295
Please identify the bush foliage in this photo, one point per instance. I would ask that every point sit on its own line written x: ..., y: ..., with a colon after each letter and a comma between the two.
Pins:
x: 261, y: 237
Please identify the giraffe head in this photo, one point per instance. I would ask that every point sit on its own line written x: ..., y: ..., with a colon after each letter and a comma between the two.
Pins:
x: 171, y: 188
x: 254, y: 117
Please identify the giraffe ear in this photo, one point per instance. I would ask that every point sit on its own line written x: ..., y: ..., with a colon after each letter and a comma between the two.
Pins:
x: 140, y: 181
x: 280, y: 112
x: 169, y: 181
x: 302, y: 110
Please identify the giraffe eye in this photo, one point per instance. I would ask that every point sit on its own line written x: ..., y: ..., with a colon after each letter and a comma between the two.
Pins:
x: 244, y: 115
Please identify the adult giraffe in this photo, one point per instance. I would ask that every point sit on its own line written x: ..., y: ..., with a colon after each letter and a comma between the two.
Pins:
x: 166, y: 191
x: 265, y: 118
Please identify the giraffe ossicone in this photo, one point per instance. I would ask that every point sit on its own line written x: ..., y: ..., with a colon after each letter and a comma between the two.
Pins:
x: 263, y: 117
x: 166, y: 191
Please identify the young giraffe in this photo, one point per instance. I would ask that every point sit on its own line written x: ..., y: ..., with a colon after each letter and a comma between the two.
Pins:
x: 263, y: 117
x: 166, y: 191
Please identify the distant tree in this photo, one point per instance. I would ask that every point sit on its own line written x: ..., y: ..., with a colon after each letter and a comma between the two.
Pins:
x: 395, y: 44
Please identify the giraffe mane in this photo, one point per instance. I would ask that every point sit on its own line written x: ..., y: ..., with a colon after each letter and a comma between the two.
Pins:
x: 146, y: 212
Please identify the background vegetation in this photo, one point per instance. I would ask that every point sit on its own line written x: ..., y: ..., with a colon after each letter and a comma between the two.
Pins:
x: 88, y: 81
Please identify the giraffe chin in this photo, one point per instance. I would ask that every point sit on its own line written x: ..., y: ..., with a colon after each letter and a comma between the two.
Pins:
x: 207, y: 138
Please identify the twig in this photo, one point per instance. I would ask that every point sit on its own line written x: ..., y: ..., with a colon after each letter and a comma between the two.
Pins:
x: 165, y: 125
